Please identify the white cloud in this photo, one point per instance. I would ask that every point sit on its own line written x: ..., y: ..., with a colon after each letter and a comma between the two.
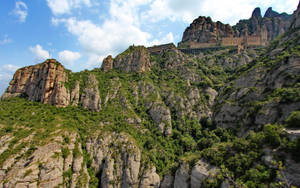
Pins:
x: 5, y: 40
x: 168, y: 38
x: 220, y: 10
x: 59, y: 7
x: 9, y: 67
x: 130, y: 21
x: 68, y: 57
x: 6, y: 74
x: 94, y: 60
x: 118, y: 31
x: 109, y: 37
x: 20, y: 11
x: 40, y: 54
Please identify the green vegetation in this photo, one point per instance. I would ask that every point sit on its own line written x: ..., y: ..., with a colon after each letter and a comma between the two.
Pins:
x: 293, y: 120
x: 27, y: 172
x: 132, y: 49
x: 239, y: 156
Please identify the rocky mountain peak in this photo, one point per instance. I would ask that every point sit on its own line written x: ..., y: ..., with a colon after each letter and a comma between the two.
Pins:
x: 295, y: 21
x: 205, y: 30
x: 256, y: 13
x: 134, y: 59
x: 270, y: 13
x: 107, y: 63
x: 42, y: 82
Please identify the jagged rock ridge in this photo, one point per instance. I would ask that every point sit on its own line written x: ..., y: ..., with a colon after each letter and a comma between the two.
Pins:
x: 43, y: 82
x: 203, y: 32
x: 134, y: 59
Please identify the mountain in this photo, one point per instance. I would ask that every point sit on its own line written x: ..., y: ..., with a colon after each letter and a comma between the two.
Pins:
x: 273, y: 23
x: 159, y: 117
x: 204, y: 32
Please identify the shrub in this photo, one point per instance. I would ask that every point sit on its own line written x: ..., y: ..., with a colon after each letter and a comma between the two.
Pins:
x: 294, y: 119
x: 272, y: 134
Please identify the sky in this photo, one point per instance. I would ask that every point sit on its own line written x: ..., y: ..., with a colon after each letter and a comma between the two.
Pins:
x: 80, y: 33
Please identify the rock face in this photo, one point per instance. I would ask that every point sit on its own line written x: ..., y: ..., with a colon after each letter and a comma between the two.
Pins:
x: 264, y: 111
x: 44, y: 166
x: 203, y: 32
x: 156, y: 108
x: 273, y: 23
x: 134, y: 59
x: 90, y: 97
x: 182, y: 176
x: 117, y: 158
x: 150, y: 179
x: 107, y: 63
x: 43, y: 82
x: 263, y: 94
x: 74, y: 97
x: 295, y: 21
x: 199, y: 173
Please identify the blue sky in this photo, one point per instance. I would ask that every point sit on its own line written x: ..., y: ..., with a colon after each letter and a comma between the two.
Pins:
x: 80, y: 33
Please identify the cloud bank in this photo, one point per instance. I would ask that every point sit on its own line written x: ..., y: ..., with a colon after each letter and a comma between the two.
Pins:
x: 6, y: 74
x: 128, y: 22
x: 20, y: 11
x: 59, y: 7
x: 39, y: 53
x: 68, y: 57
x: 227, y: 11
x: 5, y: 40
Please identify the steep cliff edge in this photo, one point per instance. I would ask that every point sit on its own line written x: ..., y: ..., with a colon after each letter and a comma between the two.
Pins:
x: 134, y: 59
x: 204, y: 30
x: 267, y: 90
x: 208, y: 33
x: 273, y: 23
x: 43, y: 82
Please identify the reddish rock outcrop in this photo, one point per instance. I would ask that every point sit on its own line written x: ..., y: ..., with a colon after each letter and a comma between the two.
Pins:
x: 43, y: 82
x: 134, y: 59
x: 204, y: 30
x: 107, y: 63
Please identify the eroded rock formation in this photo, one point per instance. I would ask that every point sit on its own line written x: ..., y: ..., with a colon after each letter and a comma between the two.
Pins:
x: 134, y: 59
x: 257, y: 30
x: 43, y: 82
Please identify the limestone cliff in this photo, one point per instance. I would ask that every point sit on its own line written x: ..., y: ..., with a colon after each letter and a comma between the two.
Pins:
x: 203, y: 32
x: 273, y: 23
x: 90, y: 97
x: 114, y: 157
x: 107, y: 63
x: 267, y: 91
x: 134, y: 59
x: 43, y: 82
x: 46, y: 82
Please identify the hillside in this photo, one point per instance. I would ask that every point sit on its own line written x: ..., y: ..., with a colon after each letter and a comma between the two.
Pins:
x: 217, y: 118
